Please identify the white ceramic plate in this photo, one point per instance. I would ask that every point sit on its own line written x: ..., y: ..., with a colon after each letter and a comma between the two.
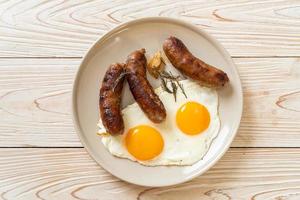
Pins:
x: 149, y: 33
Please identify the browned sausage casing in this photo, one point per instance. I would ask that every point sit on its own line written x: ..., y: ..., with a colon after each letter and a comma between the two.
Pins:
x: 141, y: 89
x: 182, y: 59
x: 110, y: 100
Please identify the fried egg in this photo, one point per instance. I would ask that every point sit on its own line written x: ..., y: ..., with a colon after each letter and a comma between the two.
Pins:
x: 185, y: 136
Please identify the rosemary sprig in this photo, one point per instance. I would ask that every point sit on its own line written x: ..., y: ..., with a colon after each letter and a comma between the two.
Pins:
x: 169, y: 75
x: 174, y: 87
x: 166, y: 77
x: 169, y: 82
x: 122, y: 75
x: 164, y: 85
x: 181, y: 88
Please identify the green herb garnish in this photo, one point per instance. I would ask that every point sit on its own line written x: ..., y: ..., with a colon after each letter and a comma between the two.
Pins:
x: 166, y: 77
x: 122, y: 75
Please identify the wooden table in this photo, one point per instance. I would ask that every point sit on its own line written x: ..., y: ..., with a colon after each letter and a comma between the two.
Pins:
x: 41, y: 45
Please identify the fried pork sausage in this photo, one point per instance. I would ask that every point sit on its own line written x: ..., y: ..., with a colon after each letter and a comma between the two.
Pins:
x: 110, y: 99
x: 141, y: 89
x: 182, y: 59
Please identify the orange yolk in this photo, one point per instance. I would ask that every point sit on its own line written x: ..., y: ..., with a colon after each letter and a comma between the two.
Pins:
x: 144, y: 142
x: 192, y: 118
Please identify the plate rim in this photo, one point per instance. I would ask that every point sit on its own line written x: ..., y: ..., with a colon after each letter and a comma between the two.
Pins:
x: 215, y: 42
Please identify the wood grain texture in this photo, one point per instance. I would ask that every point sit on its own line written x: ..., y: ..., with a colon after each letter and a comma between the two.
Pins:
x: 67, y: 28
x: 35, y: 102
x: 35, y: 98
x: 242, y: 174
x: 271, y: 115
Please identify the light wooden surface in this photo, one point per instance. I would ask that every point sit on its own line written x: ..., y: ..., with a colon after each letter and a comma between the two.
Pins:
x: 54, y: 28
x: 41, y: 44
x: 243, y: 173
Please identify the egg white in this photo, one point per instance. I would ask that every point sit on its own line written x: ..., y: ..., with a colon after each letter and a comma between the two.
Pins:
x: 179, y: 148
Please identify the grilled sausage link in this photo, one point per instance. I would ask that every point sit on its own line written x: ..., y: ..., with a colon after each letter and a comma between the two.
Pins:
x: 182, y: 59
x: 110, y: 99
x: 141, y: 89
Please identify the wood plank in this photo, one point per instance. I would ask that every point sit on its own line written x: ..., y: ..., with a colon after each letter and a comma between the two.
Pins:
x: 35, y: 102
x: 271, y: 115
x: 71, y: 174
x: 35, y: 99
x: 67, y: 28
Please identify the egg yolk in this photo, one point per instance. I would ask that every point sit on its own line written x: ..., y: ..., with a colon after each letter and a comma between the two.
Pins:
x: 144, y: 142
x: 192, y: 118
